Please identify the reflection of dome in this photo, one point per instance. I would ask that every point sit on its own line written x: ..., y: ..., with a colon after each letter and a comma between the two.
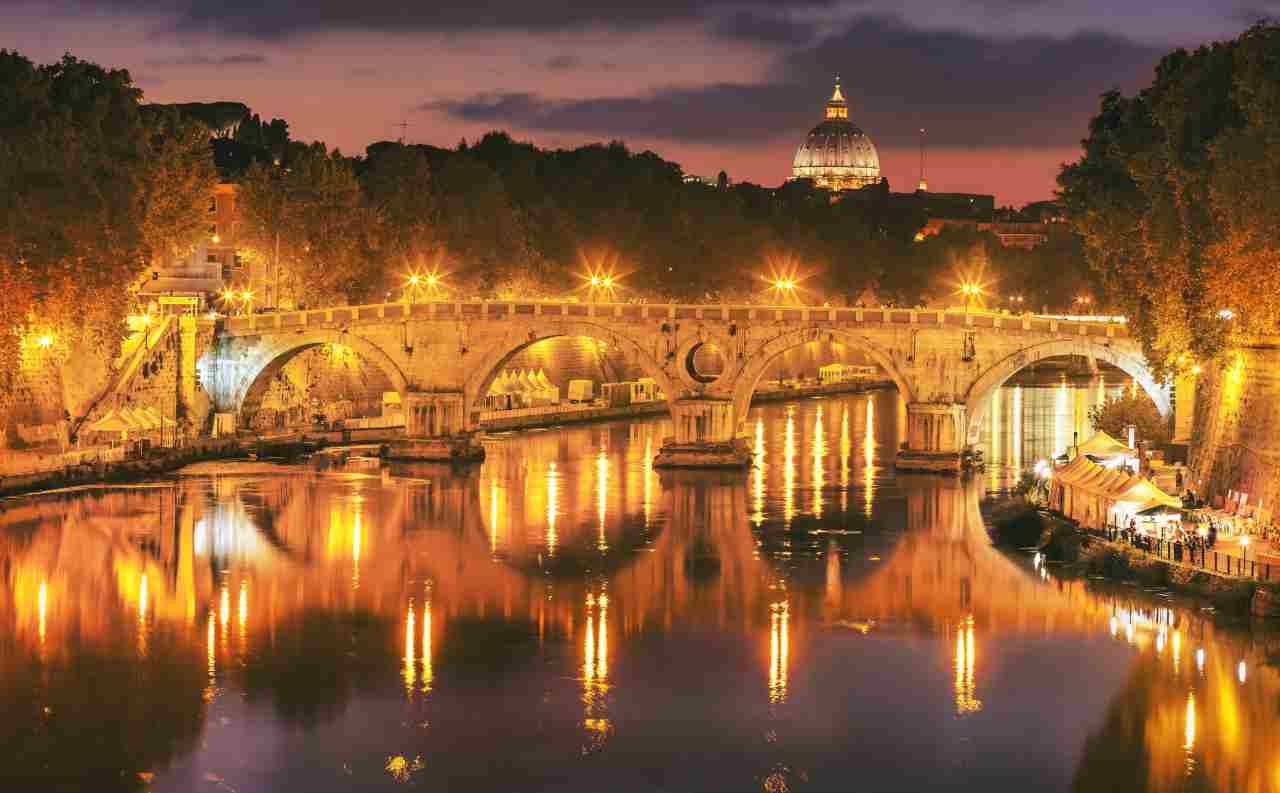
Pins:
x: 837, y: 154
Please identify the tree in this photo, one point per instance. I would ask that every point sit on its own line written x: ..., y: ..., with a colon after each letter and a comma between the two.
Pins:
x: 1175, y: 196
x: 307, y: 225
x: 1115, y: 415
x: 92, y: 190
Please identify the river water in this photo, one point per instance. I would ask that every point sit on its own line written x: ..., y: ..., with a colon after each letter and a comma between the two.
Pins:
x: 564, y: 617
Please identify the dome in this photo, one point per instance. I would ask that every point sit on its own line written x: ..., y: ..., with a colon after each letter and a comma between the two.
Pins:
x: 837, y: 155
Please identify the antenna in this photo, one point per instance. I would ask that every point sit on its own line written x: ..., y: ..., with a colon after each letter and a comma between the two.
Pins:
x: 404, y: 129
x: 923, y: 186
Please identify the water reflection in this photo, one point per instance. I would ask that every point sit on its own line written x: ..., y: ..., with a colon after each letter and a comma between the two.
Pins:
x: 1039, y: 417
x: 565, y: 620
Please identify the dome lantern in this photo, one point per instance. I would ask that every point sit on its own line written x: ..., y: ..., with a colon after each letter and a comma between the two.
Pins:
x: 836, y: 106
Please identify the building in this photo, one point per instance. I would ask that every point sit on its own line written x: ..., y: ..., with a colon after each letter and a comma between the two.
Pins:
x: 213, y: 265
x: 837, y: 154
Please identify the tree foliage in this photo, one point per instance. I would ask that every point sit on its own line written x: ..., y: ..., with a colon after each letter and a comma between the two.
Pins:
x: 1115, y: 415
x: 307, y: 224
x: 1175, y: 197
x: 92, y: 190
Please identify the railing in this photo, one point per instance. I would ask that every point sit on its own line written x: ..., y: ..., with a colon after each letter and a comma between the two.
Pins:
x: 638, y: 312
x: 1200, y: 557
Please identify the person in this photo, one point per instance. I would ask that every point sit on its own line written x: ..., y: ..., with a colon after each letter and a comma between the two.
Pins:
x: 1179, y: 479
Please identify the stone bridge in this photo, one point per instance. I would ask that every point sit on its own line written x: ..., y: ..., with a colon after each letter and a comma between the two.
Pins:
x: 443, y: 357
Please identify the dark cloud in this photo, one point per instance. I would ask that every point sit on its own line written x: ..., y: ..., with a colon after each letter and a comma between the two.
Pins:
x: 967, y: 89
x: 770, y: 28
x: 238, y: 59
x: 270, y: 20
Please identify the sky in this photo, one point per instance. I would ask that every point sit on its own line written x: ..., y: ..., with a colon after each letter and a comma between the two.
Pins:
x: 1004, y: 89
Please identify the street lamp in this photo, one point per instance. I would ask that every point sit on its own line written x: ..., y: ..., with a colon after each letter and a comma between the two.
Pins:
x: 1244, y: 548
x: 1226, y: 313
x: 45, y: 341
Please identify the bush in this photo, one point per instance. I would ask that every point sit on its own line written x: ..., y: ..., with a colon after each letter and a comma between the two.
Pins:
x: 1109, y: 562
x: 1019, y: 526
x: 1064, y: 543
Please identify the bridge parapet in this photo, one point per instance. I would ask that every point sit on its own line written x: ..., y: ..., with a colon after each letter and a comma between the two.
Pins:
x: 340, y: 316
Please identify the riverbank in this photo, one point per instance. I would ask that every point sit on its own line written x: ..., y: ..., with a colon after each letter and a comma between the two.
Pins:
x: 155, y: 463
x: 1016, y: 524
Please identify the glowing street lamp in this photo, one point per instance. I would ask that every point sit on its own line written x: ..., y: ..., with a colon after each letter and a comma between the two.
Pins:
x: 45, y: 341
x: 1244, y: 548
x: 1226, y: 313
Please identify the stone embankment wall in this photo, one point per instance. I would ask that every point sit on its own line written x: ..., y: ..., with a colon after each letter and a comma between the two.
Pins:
x: 1235, y: 443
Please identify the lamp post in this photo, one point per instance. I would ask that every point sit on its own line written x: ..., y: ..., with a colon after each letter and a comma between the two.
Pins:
x: 1244, y: 548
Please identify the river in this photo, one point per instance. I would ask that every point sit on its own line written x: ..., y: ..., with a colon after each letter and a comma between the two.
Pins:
x: 564, y: 617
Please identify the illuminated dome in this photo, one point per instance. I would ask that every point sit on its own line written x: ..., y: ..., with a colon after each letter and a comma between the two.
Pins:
x: 837, y: 154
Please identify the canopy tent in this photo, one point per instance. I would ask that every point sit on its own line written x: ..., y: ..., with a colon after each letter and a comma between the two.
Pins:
x: 1093, y: 494
x: 1107, y: 449
x: 110, y: 422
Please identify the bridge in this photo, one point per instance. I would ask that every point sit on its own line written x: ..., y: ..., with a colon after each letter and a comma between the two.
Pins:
x: 443, y: 356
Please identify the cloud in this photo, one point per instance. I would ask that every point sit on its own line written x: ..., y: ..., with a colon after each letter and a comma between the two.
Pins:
x: 273, y: 20
x: 563, y: 62
x: 238, y: 59
x: 967, y: 89
x: 769, y: 28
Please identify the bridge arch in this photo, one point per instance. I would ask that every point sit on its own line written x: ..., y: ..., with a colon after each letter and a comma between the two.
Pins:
x: 497, y: 355
x: 1131, y: 363
x: 264, y: 364
x: 749, y: 375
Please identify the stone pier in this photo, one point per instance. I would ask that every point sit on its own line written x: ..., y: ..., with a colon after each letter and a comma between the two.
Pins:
x: 704, y: 437
x: 435, y: 430
x: 935, y: 438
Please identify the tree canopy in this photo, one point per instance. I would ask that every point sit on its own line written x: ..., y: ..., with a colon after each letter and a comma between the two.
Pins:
x: 1175, y: 197
x: 92, y: 189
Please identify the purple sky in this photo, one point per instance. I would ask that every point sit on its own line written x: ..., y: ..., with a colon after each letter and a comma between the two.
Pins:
x: 1004, y: 87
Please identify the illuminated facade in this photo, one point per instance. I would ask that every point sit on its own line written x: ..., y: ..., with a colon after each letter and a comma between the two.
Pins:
x: 837, y: 155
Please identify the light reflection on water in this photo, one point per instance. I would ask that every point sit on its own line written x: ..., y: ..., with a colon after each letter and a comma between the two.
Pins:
x: 565, y: 617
